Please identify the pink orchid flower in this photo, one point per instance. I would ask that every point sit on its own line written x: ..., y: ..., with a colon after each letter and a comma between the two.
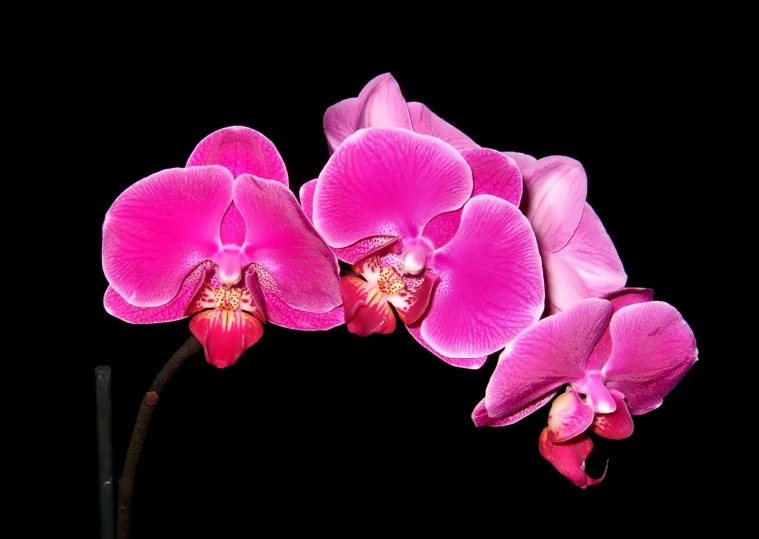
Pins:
x: 579, y: 258
x: 461, y: 268
x: 224, y: 238
x: 621, y: 355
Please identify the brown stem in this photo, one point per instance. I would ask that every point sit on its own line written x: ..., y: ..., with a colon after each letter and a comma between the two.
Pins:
x: 126, y: 483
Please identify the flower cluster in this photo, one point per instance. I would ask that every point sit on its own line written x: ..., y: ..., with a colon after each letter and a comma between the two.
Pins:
x: 476, y: 250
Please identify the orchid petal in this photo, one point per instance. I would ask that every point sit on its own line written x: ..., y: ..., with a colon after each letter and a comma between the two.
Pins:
x: 426, y: 122
x: 364, y: 248
x: 616, y: 425
x: 117, y: 306
x: 161, y: 228
x: 569, y: 417
x: 569, y: 457
x: 588, y: 266
x: 280, y: 239
x: 652, y: 349
x: 411, y: 303
x: 491, y: 281
x: 225, y: 334
x: 555, y: 193
x: 384, y: 101
x: 307, y: 198
x: 387, y: 182
x: 366, y: 310
x: 242, y: 150
x: 463, y: 362
x: 482, y: 419
x: 492, y: 174
x: 524, y: 161
x: 546, y: 356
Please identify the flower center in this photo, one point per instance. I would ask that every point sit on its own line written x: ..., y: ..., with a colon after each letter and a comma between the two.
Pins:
x: 594, y: 388
x: 390, y: 282
x: 227, y: 298
x: 414, y: 259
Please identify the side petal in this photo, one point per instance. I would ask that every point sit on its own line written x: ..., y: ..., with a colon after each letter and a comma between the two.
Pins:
x: 546, y: 356
x: 426, y: 122
x: 588, y: 266
x: 366, y: 310
x: 652, y: 347
x: 307, y: 198
x: 117, y: 306
x: 380, y: 104
x: 242, y: 150
x: 161, y: 228
x: 491, y: 281
x: 569, y: 458
x: 280, y: 239
x: 524, y: 161
x: 482, y: 419
x: 492, y: 174
x: 225, y: 334
x: 617, y: 425
x: 463, y: 362
x: 555, y: 199
x: 569, y: 417
x: 363, y: 248
x: 387, y: 182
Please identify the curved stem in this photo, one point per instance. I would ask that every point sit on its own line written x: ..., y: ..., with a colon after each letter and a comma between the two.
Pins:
x: 126, y: 483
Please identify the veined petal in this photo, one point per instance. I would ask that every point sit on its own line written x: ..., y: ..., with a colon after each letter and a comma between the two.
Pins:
x: 569, y: 457
x: 463, y: 362
x: 555, y: 193
x: 587, y: 267
x: 546, y: 356
x: 411, y: 303
x: 524, y: 161
x: 307, y: 198
x: 482, y: 419
x: 616, y: 425
x: 242, y: 150
x: 387, y: 182
x: 280, y: 239
x: 366, y: 310
x: 426, y: 122
x: 569, y: 417
x: 117, y: 306
x: 364, y: 248
x: 492, y: 174
x: 380, y: 104
x: 652, y: 347
x: 225, y: 334
x: 491, y: 281
x: 161, y: 228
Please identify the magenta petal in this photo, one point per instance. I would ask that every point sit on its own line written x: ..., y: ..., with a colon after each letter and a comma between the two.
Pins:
x: 555, y: 199
x: 491, y: 281
x: 307, y: 198
x: 117, y: 306
x: 161, y: 228
x: 546, y: 356
x: 652, y: 349
x: 363, y: 248
x: 387, y: 182
x: 280, y: 239
x: 482, y: 419
x: 426, y: 122
x: 569, y: 458
x: 617, y: 425
x: 241, y: 150
x: 525, y: 163
x: 569, y: 417
x: 463, y: 362
x: 492, y: 174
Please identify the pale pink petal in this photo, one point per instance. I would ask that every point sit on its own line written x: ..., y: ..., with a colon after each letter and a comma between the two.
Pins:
x: 363, y: 248
x: 652, y: 349
x: 482, y: 419
x: 463, y: 362
x: 161, y: 228
x: 426, y: 122
x: 387, y: 182
x: 569, y: 458
x: 307, y: 198
x: 280, y: 239
x: 619, y: 299
x: 555, y: 198
x: 386, y: 107
x: 524, y: 161
x: 617, y: 425
x: 568, y: 417
x: 366, y: 309
x: 546, y: 356
x: 588, y: 265
x: 491, y: 281
x: 242, y: 150
x: 225, y: 334
x: 492, y: 174
x: 175, y: 309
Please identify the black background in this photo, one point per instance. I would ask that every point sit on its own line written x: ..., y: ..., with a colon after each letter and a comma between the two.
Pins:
x: 326, y: 433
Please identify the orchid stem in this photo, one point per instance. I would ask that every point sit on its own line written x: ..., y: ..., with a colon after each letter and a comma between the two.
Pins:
x: 105, y: 450
x: 126, y: 483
